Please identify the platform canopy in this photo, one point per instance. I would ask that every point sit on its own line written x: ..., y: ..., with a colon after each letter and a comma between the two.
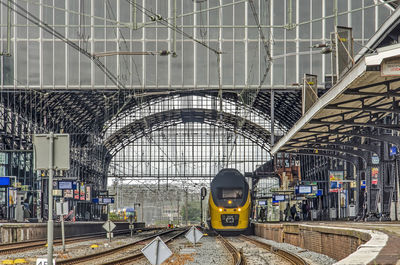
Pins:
x: 355, y: 106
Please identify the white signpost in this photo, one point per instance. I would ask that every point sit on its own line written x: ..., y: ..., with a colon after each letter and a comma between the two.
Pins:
x: 51, y: 152
x: 156, y: 251
x: 109, y: 226
x: 194, y: 235
x: 62, y: 208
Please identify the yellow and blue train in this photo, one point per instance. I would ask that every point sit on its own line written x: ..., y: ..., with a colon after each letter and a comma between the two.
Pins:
x: 229, y: 202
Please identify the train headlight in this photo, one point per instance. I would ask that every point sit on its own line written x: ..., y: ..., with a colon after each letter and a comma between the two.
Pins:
x: 229, y: 202
x: 220, y: 209
x: 239, y: 209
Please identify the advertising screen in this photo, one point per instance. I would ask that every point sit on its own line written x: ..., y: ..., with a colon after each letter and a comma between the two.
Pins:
x: 88, y: 193
x: 68, y: 194
x: 76, y: 194
x: 374, y: 175
x: 82, y: 193
x: 334, y: 176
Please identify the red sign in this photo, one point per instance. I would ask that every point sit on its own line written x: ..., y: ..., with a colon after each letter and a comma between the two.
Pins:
x: 76, y: 194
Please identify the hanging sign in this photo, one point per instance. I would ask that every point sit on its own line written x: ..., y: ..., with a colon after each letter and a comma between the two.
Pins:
x: 391, y: 67
x: 374, y: 175
x: 334, y: 177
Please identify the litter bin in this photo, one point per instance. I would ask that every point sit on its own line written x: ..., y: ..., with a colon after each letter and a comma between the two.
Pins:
x: 314, y: 214
x: 352, y: 210
x: 332, y: 213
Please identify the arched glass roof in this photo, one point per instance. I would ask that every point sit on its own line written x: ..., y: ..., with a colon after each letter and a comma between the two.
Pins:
x: 78, y: 66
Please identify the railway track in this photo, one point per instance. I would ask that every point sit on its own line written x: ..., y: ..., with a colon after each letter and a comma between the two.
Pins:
x: 238, y: 258
x: 127, y: 258
x: 140, y: 255
x: 288, y: 256
x: 30, y: 245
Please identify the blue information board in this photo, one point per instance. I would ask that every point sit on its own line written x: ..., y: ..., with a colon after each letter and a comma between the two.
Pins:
x: 5, y: 181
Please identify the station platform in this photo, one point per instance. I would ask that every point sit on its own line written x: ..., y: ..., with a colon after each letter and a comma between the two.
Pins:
x: 346, y: 242
x: 18, y: 232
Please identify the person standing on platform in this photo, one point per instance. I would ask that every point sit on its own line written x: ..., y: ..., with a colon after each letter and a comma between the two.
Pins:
x: 304, y: 211
x: 287, y: 212
x: 293, y: 211
x: 262, y: 214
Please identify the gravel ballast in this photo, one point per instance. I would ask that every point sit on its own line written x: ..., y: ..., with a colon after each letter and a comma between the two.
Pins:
x: 256, y: 255
x: 312, y: 257
x: 75, y: 249
x: 208, y: 251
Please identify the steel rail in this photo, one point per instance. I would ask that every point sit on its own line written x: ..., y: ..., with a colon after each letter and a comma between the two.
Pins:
x: 109, y: 252
x: 290, y: 257
x: 140, y: 255
x: 10, y: 248
x: 238, y: 258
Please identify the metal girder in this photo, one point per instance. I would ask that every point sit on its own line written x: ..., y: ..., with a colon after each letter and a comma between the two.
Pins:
x: 357, y: 153
x: 385, y: 83
x: 389, y: 110
x: 348, y: 158
x: 387, y: 138
x: 371, y: 148
x: 157, y: 121
x: 393, y: 127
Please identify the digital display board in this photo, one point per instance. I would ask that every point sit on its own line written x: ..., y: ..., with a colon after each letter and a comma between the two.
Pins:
x: 103, y: 193
x: 261, y: 202
x: 64, y: 185
x: 5, y: 181
x: 107, y: 200
x: 302, y: 189
x: 278, y: 198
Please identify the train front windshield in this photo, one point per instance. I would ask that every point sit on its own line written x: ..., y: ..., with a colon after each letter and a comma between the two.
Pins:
x: 231, y: 193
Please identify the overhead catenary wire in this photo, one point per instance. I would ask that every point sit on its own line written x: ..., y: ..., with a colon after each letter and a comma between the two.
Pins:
x: 267, y: 61
x: 152, y: 15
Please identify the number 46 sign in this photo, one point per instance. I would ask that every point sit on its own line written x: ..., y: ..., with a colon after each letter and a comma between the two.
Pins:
x: 43, y: 261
